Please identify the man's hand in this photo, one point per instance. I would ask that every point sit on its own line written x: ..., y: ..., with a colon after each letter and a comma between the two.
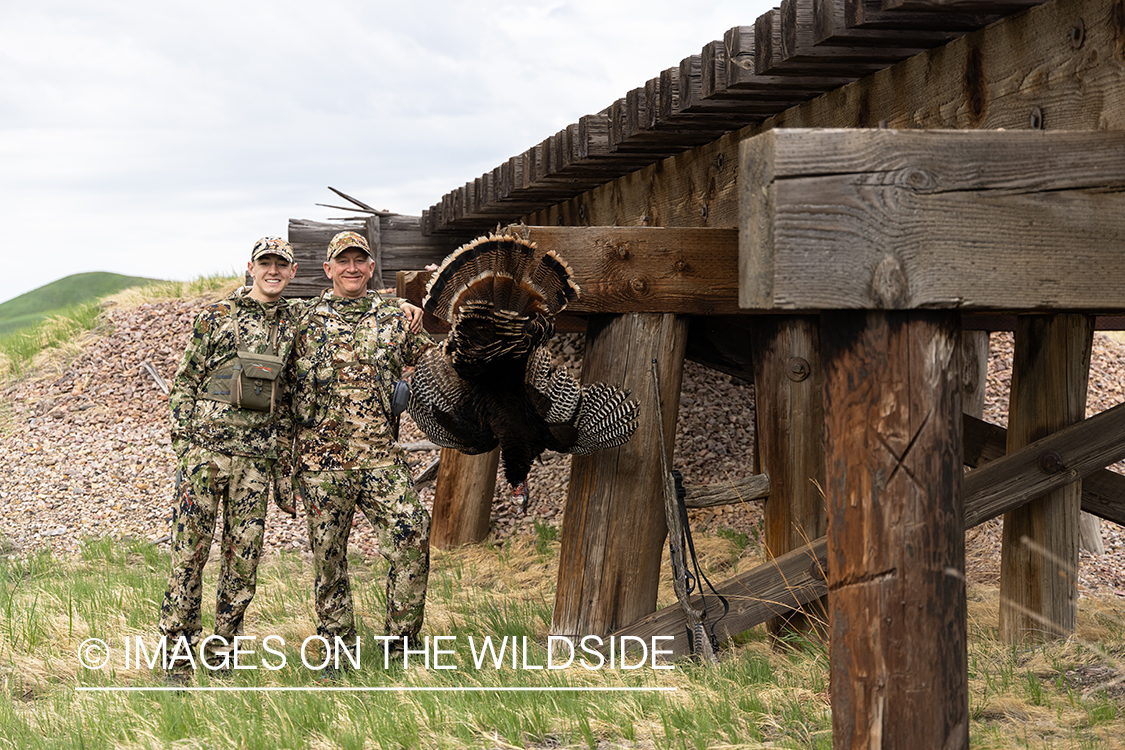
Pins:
x: 413, y: 316
x: 283, y: 492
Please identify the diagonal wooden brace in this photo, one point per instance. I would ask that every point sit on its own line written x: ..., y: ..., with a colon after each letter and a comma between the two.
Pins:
x: 1005, y: 482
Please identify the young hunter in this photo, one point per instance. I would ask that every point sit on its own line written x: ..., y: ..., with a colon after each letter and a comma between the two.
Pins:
x: 350, y: 350
x: 232, y: 433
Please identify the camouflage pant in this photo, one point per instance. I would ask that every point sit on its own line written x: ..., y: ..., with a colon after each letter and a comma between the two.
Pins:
x: 208, y: 482
x: 402, y: 527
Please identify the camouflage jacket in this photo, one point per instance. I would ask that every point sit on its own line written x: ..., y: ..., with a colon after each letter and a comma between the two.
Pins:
x: 219, y: 426
x: 347, y: 357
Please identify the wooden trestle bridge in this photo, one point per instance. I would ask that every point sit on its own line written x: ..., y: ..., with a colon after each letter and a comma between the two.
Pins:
x: 838, y: 202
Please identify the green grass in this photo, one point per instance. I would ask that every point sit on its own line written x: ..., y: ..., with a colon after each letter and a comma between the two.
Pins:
x: 19, y: 349
x: 756, y: 696
x: 59, y: 296
x: 61, y: 327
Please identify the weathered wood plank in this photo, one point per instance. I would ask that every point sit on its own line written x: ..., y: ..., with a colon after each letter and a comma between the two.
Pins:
x: 789, y: 435
x: 638, y: 269
x: 1039, y: 564
x: 647, y: 269
x: 463, y: 498
x: 741, y: 76
x: 974, y: 371
x: 992, y: 78
x: 748, y: 489
x: 869, y: 14
x: 830, y: 26
x: 881, y: 219
x: 1083, y: 449
x: 972, y: 6
x: 613, y: 535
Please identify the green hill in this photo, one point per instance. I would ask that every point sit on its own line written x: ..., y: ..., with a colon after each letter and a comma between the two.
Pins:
x: 32, y: 307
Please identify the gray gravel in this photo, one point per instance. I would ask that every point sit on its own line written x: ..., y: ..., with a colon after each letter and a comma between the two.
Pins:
x: 85, y: 452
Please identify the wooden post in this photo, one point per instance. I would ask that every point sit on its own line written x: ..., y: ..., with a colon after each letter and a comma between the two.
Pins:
x: 1039, y: 566
x: 374, y: 231
x: 974, y: 372
x: 896, y: 554
x: 463, y: 498
x: 789, y: 402
x: 613, y: 527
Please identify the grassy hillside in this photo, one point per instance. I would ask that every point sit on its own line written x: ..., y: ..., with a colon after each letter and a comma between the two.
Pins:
x: 52, y: 328
x: 28, y: 309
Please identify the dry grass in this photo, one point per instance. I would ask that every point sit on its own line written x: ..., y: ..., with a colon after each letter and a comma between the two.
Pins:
x: 1066, y: 694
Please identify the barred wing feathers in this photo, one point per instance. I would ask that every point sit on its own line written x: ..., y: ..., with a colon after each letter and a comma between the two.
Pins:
x: 491, y: 382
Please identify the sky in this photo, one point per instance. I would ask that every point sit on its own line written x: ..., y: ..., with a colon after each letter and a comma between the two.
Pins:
x: 162, y: 140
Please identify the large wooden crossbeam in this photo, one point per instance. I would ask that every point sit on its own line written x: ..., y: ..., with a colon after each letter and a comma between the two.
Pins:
x: 883, y: 219
x: 688, y: 271
x: 796, y: 578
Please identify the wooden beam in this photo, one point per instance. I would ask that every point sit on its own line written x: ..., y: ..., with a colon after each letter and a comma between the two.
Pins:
x: 463, y: 498
x: 1082, y: 448
x: 789, y: 414
x: 756, y: 487
x: 1039, y: 565
x: 1103, y: 491
x: 869, y: 14
x: 834, y: 24
x: 883, y: 219
x: 955, y: 6
x: 896, y: 540
x: 640, y: 269
x: 992, y: 78
x: 614, y: 529
x: 974, y: 371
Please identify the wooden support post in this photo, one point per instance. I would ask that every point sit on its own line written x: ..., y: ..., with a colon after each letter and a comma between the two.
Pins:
x: 613, y: 528
x: 463, y: 498
x: 974, y: 372
x: 1038, y: 570
x: 789, y: 403
x: 373, y: 230
x: 896, y: 554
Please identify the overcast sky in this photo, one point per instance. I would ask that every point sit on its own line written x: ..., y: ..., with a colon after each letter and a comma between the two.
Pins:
x: 161, y: 140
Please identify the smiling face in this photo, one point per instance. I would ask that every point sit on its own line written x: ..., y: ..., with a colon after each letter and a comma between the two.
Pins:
x: 271, y: 274
x: 350, y: 270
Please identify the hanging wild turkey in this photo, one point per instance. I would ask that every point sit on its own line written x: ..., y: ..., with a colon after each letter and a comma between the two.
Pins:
x: 491, y: 382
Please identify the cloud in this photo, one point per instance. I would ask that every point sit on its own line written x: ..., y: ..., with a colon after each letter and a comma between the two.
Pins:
x: 154, y: 139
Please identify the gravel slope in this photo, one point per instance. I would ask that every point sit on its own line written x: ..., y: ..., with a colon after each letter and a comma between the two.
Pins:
x: 85, y: 452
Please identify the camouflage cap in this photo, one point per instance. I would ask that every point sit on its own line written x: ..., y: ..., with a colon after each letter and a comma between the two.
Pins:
x: 343, y: 241
x: 272, y: 246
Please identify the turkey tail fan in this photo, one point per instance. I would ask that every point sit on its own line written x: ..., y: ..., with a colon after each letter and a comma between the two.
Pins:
x: 606, y: 419
x: 501, y: 272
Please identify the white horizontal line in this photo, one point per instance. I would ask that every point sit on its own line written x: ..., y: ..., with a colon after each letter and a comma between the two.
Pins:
x: 361, y: 689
